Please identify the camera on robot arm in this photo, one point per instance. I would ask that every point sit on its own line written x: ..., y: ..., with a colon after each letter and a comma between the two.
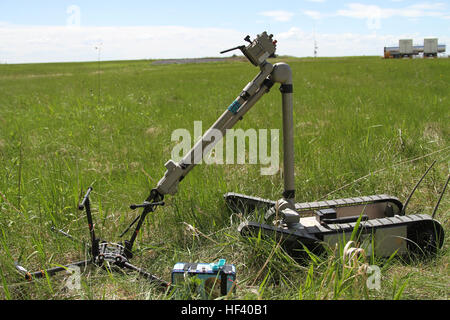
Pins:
x: 258, y: 50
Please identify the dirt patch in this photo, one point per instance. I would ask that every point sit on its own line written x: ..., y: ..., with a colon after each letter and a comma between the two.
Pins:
x: 196, y: 60
x: 30, y: 76
x: 432, y: 132
x: 152, y: 131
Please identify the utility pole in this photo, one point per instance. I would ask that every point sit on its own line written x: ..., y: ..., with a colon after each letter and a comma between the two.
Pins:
x: 315, y: 42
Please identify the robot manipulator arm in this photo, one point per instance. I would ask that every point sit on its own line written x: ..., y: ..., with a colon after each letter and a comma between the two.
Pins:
x: 257, y: 51
x: 169, y: 183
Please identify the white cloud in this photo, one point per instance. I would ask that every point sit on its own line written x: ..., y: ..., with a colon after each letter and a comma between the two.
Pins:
x: 298, y: 42
x: 374, y: 14
x: 313, y: 14
x: 278, y: 15
x: 365, y: 11
x: 20, y: 44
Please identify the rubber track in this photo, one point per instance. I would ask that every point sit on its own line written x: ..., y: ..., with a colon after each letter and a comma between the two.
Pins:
x: 316, y: 233
x: 231, y: 198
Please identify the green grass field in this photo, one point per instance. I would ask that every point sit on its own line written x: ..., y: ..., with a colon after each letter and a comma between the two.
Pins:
x: 363, y: 126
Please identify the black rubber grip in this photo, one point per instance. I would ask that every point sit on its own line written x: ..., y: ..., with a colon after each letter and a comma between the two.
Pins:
x: 286, y: 88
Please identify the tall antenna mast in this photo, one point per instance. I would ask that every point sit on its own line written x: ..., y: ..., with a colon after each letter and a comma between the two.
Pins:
x: 315, y: 42
x: 99, y: 50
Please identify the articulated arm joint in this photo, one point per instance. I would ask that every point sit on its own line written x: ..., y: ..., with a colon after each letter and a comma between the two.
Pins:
x: 286, y: 88
x: 169, y: 183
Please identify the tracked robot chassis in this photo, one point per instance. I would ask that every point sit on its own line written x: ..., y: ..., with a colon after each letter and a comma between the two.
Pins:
x: 381, y: 221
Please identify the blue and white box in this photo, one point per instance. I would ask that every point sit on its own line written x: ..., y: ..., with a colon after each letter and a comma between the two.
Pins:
x: 216, y: 279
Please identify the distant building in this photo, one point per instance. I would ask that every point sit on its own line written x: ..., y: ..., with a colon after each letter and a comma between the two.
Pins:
x: 405, y: 48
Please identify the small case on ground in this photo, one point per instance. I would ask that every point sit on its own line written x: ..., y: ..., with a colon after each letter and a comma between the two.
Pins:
x: 216, y: 279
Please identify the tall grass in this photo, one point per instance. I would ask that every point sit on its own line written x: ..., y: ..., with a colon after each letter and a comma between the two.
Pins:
x: 358, y: 124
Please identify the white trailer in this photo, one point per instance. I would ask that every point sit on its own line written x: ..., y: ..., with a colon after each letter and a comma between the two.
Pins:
x: 430, y: 47
x: 406, y: 47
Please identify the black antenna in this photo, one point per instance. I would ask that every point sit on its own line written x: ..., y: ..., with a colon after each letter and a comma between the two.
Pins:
x: 149, y: 205
x: 415, y: 187
x: 129, y: 227
x: 235, y: 48
x: 440, y: 198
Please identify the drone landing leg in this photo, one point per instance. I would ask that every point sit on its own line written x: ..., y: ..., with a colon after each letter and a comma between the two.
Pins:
x: 50, y: 272
x: 65, y: 234
x: 146, y: 275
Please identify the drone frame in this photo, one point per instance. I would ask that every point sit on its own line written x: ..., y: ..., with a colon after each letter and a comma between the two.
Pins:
x: 105, y: 254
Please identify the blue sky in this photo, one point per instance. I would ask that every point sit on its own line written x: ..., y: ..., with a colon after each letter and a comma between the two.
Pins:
x: 44, y: 31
